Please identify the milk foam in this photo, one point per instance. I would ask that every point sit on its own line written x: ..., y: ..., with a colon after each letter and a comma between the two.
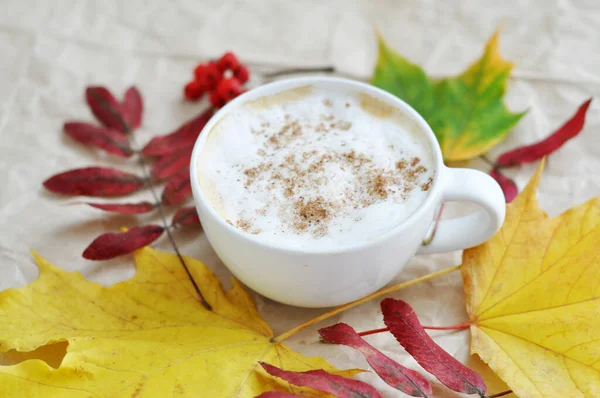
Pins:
x: 316, y: 168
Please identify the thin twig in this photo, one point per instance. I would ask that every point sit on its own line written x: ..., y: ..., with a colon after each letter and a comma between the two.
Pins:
x: 283, y: 72
x: 500, y: 394
x: 371, y: 296
x: 488, y: 161
x: 163, y: 219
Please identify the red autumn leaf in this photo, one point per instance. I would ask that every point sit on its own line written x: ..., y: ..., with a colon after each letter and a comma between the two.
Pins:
x: 125, y: 208
x: 401, y: 378
x: 533, y: 152
x: 177, y: 190
x: 106, y: 108
x: 186, y: 216
x: 132, y: 107
x: 508, y: 186
x: 403, y: 323
x: 320, y: 380
x: 171, y: 164
x: 183, y: 138
x: 94, y: 181
x: 112, y: 245
x: 279, y: 394
x: 108, y: 139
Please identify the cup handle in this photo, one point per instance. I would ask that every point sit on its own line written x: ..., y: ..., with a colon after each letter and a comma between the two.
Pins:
x: 468, y: 231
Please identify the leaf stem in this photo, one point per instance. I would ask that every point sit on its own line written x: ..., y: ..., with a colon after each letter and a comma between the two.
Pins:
x: 458, y: 326
x: 431, y: 234
x: 500, y: 394
x: 371, y: 296
x: 373, y: 331
x: 493, y: 165
x: 292, y: 71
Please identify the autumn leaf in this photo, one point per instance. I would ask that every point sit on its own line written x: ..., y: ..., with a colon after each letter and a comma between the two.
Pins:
x: 403, y: 323
x: 94, y: 181
x: 177, y: 190
x: 182, y: 138
x: 401, y: 378
x: 132, y: 107
x: 111, y: 245
x: 149, y: 336
x: 531, y: 153
x: 323, y: 381
x: 533, y: 299
x: 279, y: 394
x: 509, y: 188
x: 109, y: 140
x: 185, y: 216
x: 466, y: 112
x: 106, y: 108
x: 172, y: 164
x: 125, y: 208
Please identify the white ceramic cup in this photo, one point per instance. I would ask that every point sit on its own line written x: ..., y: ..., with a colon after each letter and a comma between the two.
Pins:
x: 320, y: 278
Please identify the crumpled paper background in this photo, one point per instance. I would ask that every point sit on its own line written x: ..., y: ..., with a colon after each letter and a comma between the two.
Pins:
x: 51, y: 50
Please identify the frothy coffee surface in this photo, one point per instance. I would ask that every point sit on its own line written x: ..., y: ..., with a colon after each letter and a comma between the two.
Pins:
x: 316, y: 167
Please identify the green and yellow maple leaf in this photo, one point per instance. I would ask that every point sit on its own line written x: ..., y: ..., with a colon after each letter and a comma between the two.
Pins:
x: 533, y: 298
x: 466, y: 112
x: 146, y: 337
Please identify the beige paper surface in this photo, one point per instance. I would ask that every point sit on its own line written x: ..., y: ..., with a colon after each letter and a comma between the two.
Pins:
x: 50, y: 51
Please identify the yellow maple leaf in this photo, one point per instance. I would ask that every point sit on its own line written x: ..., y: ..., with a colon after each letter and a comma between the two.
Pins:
x: 533, y: 297
x: 146, y: 337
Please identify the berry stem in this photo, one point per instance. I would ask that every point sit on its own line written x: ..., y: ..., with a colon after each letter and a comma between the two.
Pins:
x: 458, y: 326
x: 293, y: 71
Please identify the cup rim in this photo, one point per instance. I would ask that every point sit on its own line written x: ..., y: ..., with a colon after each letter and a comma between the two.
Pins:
x: 290, y: 83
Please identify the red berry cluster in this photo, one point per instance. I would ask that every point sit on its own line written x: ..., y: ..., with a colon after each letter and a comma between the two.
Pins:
x: 221, y: 79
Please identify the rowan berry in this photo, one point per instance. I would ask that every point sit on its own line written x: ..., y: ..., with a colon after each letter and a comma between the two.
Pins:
x: 228, y: 89
x: 216, y: 100
x: 228, y: 62
x: 193, y: 90
x: 241, y: 73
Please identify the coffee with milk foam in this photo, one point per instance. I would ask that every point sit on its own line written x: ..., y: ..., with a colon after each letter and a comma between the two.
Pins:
x: 316, y: 168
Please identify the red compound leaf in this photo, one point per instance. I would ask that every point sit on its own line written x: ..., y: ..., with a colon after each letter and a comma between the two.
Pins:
x: 320, y: 380
x: 403, y: 323
x: 401, y: 378
x: 125, y: 208
x: 186, y: 216
x: 105, y: 138
x: 132, y: 107
x: 106, y: 108
x: 177, y: 190
x: 171, y: 164
x: 508, y: 186
x: 112, y: 245
x: 533, y: 152
x: 94, y: 181
x: 182, y: 138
